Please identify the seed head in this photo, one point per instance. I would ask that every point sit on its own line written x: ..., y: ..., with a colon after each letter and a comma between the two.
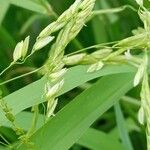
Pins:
x: 141, y: 116
x: 18, y: 51
x: 101, y: 53
x: 40, y: 43
x: 21, y: 49
x: 75, y: 59
x: 141, y: 70
x: 52, y: 91
x: 95, y: 67
x: 57, y: 75
x: 51, y: 108
x: 25, y: 46
x: 138, y: 75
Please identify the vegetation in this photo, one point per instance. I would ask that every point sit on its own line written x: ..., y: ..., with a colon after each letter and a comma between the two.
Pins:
x: 74, y: 74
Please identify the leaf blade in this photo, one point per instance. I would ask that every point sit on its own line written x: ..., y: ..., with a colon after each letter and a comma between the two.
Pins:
x: 96, y: 140
x: 30, y: 5
x: 4, y: 5
x: 122, y: 128
x: 63, y: 137
x: 24, y: 98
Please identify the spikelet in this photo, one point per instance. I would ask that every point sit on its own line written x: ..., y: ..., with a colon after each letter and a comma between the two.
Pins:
x: 21, y: 50
x: 52, y: 91
x: 57, y: 75
x: 18, y: 51
x: 75, y: 59
x: 61, y: 21
x: 42, y: 42
x: 95, y: 67
x: 141, y: 69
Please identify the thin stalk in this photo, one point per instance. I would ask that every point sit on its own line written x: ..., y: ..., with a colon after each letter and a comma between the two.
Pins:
x: 34, y: 121
x: 112, y: 10
x: 21, y: 76
x: 131, y: 100
x: 4, y: 139
x: 3, y: 144
x: 102, y: 45
x: 11, y: 64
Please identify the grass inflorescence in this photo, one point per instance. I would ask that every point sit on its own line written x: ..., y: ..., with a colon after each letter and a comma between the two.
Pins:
x: 59, y: 35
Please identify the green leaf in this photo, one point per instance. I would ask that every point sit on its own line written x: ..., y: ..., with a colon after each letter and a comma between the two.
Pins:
x: 32, y: 94
x: 62, y: 131
x: 96, y: 140
x: 92, y: 138
x: 130, y: 124
x: 30, y: 5
x: 4, y: 5
x: 122, y: 128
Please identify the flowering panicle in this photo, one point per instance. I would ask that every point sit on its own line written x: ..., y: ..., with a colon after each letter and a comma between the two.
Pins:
x: 72, y: 22
x: 61, y: 21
